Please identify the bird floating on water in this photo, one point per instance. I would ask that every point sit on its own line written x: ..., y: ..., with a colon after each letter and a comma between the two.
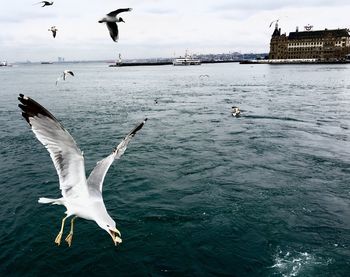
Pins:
x: 236, y: 112
x: 64, y: 75
x: 54, y: 30
x: 45, y: 3
x: 111, y: 19
x: 82, y: 197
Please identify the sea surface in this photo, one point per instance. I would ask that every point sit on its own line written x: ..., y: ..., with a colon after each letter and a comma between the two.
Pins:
x: 198, y: 192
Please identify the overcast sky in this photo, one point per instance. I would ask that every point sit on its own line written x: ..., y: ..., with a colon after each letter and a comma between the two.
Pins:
x: 155, y: 28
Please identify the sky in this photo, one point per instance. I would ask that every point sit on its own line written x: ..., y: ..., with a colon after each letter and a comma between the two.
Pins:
x: 155, y: 28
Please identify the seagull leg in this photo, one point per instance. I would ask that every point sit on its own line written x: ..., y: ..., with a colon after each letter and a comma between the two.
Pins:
x: 59, y: 236
x: 70, y: 235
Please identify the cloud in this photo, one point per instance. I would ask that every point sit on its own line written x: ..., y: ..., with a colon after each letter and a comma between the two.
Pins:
x: 253, y: 6
x: 155, y: 27
x: 160, y: 11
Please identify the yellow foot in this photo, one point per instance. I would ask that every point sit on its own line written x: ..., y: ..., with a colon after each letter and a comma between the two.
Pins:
x: 58, y: 238
x: 69, y: 239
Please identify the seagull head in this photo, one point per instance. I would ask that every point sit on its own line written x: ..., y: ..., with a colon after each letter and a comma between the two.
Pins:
x: 115, y: 234
x: 109, y: 226
x: 121, y: 20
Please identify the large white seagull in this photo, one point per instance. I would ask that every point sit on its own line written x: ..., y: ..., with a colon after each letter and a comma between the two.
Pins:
x: 82, y: 197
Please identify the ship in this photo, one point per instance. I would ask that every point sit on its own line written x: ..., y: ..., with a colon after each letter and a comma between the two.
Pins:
x: 3, y: 63
x: 187, y: 60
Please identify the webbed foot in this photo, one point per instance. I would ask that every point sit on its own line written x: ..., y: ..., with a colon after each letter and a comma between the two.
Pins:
x: 69, y: 239
x: 58, y: 238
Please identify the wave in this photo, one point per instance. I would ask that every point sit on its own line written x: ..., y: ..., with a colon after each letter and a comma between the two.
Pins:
x: 273, y: 117
x: 294, y: 263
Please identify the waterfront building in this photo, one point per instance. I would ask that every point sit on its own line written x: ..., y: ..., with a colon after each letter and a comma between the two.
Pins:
x: 321, y: 45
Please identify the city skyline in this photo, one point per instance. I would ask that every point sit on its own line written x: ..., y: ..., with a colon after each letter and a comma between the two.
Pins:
x: 155, y: 28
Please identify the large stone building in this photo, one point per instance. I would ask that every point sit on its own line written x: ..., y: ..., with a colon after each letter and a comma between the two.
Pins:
x: 325, y: 45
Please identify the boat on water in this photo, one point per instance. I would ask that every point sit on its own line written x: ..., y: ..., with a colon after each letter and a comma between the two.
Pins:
x: 187, y: 60
x: 46, y: 62
x: 3, y: 63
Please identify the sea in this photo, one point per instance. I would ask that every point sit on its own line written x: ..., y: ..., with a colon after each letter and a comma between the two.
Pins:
x: 198, y: 192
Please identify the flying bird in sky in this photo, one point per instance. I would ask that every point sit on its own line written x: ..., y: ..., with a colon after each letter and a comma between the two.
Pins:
x: 54, y: 30
x: 45, y: 3
x: 82, y: 197
x: 273, y: 22
x: 110, y: 19
x: 64, y: 75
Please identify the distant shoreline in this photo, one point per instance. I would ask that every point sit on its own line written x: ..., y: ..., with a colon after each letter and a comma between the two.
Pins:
x: 163, y: 63
x: 285, y: 62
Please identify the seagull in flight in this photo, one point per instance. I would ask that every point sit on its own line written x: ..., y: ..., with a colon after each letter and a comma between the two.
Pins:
x: 45, y: 3
x: 82, y: 197
x: 111, y: 19
x: 54, y: 30
x: 274, y: 22
x: 64, y: 75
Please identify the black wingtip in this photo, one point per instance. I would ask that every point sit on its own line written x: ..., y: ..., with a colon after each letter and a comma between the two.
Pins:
x: 31, y: 108
x: 137, y: 128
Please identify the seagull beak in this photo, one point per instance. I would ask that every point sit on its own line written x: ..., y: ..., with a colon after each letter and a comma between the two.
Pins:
x: 115, y: 234
x: 121, y: 20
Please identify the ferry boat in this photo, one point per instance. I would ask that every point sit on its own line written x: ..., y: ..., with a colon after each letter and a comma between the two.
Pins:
x: 187, y: 60
x: 3, y: 63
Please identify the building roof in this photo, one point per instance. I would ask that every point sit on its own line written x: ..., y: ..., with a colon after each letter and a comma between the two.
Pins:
x: 319, y: 34
x: 276, y: 32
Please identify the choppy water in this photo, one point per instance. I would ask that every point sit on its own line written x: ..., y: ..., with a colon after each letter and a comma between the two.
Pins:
x: 198, y: 192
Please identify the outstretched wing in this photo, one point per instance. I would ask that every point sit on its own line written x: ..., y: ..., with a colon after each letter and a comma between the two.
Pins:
x: 58, y: 79
x: 70, y: 72
x: 41, y: 2
x: 66, y: 156
x: 113, y: 30
x: 95, y: 180
x: 116, y: 12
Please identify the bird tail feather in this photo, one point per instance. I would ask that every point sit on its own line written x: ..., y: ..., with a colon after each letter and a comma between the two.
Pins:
x: 44, y: 200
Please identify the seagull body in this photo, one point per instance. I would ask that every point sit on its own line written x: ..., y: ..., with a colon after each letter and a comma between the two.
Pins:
x: 45, y: 3
x: 236, y: 112
x: 54, y: 30
x: 111, y: 20
x: 82, y: 197
x: 66, y: 72
x: 64, y: 75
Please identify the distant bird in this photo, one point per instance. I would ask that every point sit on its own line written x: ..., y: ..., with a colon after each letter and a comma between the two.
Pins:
x: 64, y: 75
x: 45, y: 3
x: 156, y: 101
x: 111, y: 19
x: 82, y: 197
x: 54, y: 30
x: 235, y: 111
x: 273, y: 22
